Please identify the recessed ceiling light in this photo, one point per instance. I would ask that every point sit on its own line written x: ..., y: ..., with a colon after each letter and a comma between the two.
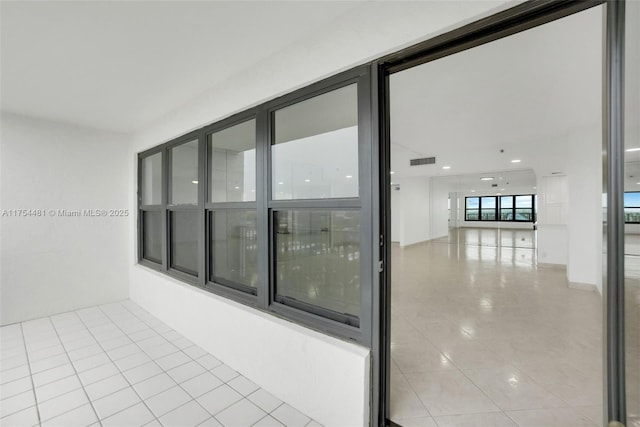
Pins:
x: 392, y: 183
x: 392, y: 172
x: 280, y: 183
x: 237, y: 188
x: 516, y: 161
x: 194, y: 182
x: 349, y: 176
x: 638, y: 183
x: 307, y: 180
x: 629, y: 150
x: 498, y: 194
x: 473, y: 191
x: 446, y: 167
x: 502, y: 189
x: 534, y: 188
x: 487, y: 178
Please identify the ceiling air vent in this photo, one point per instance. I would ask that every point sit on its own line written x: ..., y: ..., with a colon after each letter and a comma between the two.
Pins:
x: 423, y: 161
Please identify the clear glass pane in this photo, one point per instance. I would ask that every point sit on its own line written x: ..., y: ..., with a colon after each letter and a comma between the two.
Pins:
x: 506, y: 215
x: 632, y: 215
x: 184, y: 174
x: 632, y: 199
x: 488, y: 214
x: 184, y: 241
x: 473, y: 202
x: 152, y: 236
x: 232, y: 164
x: 488, y: 202
x: 318, y: 258
x: 472, y: 215
x: 234, y: 246
x: 315, y: 151
x: 506, y: 202
x: 632, y: 236
x: 524, y: 215
x: 151, y: 185
x: 524, y: 201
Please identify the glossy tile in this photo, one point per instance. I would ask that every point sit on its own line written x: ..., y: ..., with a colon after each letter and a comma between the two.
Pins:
x: 116, y: 366
x: 479, y: 328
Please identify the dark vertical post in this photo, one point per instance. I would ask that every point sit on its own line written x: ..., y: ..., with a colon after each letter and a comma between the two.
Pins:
x: 614, y: 146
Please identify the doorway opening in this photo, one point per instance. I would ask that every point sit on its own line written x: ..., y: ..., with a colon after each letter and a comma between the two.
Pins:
x: 496, y: 260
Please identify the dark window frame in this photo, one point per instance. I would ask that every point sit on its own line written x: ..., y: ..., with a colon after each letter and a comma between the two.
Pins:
x: 263, y: 298
x: 498, y: 209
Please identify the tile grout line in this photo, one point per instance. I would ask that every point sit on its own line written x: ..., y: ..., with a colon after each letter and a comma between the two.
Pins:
x: 207, y: 370
x: 164, y: 371
x: 77, y: 375
x: 223, y: 382
x: 118, y: 368
x: 33, y: 386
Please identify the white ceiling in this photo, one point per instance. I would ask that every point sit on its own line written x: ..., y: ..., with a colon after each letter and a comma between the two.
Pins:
x: 119, y: 65
x: 522, y: 94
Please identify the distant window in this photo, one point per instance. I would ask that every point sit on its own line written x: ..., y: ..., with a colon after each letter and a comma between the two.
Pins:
x: 516, y: 208
x: 632, y: 207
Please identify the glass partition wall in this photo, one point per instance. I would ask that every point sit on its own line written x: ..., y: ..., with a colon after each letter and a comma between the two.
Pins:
x: 266, y: 207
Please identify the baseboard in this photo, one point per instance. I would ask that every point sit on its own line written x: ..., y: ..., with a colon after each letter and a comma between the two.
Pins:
x: 552, y: 265
x: 589, y: 287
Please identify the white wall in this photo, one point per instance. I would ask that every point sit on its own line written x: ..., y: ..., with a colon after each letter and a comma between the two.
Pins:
x: 322, y: 376
x: 552, y: 219
x: 52, y: 264
x: 584, y: 225
x: 439, y: 209
x: 326, y: 378
x: 412, y: 210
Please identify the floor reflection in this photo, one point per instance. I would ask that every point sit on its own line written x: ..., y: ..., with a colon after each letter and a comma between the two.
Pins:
x: 482, y: 335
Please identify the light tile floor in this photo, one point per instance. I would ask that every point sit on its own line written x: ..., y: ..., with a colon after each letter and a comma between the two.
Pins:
x: 116, y: 365
x: 483, y: 336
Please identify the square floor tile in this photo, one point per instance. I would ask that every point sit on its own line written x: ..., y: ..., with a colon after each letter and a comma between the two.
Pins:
x: 136, y: 415
x: 35, y: 356
x: 268, y: 421
x: 98, y: 373
x: 51, y: 375
x: 186, y: 372
x: 241, y: 414
x: 115, y: 402
x: 57, y: 388
x: 225, y: 373
x: 91, y: 362
x: 167, y: 401
x: 49, y: 362
x: 61, y: 404
x: 17, y: 403
x: 131, y: 361
x: 142, y: 372
x: 173, y: 360
x: 265, y: 400
x: 290, y: 416
x: 161, y: 350
x: 195, y: 352
x: 106, y: 386
x: 80, y: 417
x: 201, y: 384
x: 15, y: 387
x: 25, y: 417
x: 189, y: 414
x: 243, y: 385
x: 208, y: 362
x: 154, y: 385
x: 84, y: 352
x: 14, y: 374
x: 211, y: 422
x: 219, y: 399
